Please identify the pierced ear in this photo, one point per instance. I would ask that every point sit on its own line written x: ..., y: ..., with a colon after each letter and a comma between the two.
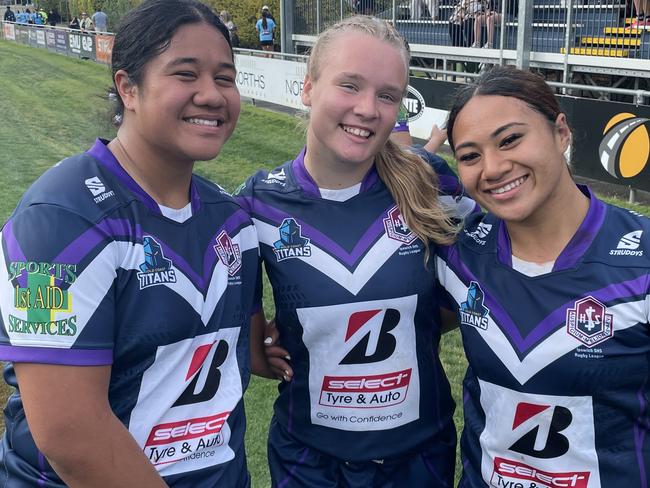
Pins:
x: 126, y: 89
x: 305, y: 96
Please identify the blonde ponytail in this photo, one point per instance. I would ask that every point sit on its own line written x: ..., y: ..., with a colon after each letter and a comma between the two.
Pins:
x: 414, y: 186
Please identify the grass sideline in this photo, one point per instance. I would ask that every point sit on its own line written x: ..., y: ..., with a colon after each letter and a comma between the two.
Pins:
x: 54, y: 106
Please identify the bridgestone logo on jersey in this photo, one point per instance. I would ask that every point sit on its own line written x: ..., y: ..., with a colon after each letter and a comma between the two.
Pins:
x: 365, y: 391
x: 510, y: 474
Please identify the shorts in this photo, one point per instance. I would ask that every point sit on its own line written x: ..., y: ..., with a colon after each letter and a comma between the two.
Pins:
x: 266, y: 43
x: 295, y: 465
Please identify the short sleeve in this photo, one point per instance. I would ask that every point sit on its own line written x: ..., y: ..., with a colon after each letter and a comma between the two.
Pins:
x: 57, y: 275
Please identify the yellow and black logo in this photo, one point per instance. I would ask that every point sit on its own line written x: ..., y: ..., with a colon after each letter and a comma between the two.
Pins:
x: 625, y: 147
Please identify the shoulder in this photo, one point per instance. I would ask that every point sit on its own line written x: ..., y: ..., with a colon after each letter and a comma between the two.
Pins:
x: 624, y: 238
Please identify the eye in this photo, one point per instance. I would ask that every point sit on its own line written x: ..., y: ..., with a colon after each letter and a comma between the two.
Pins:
x: 348, y: 86
x: 510, y: 140
x: 387, y: 97
x: 468, y: 159
x: 186, y: 75
x: 224, y: 80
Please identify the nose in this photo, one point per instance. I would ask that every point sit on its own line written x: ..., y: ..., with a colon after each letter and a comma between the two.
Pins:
x: 495, y: 165
x: 366, y: 105
x: 208, y: 93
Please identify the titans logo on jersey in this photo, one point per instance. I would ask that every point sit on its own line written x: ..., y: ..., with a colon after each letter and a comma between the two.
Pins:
x: 356, y: 309
x: 92, y: 273
x: 557, y: 391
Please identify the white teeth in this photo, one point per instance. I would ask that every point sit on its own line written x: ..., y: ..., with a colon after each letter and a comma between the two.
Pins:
x: 209, y: 123
x: 509, y: 186
x: 357, y: 132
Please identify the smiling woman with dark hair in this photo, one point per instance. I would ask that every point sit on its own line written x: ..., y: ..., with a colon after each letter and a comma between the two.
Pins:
x: 552, y: 290
x: 128, y: 282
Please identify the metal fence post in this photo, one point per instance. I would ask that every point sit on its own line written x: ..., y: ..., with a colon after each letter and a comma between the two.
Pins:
x: 286, y: 19
x: 341, y: 10
x: 317, y: 17
x: 567, y: 45
x: 394, y: 12
x: 524, y: 33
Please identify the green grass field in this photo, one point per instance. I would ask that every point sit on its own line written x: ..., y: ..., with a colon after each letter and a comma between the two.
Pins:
x: 53, y: 106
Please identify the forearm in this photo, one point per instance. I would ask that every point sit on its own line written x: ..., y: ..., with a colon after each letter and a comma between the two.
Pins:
x: 102, y: 453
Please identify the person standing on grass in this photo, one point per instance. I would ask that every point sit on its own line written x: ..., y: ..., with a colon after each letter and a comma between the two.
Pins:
x: 9, y: 15
x: 265, y: 27
x: 127, y: 283
x: 100, y: 19
x: 347, y: 232
x: 552, y: 292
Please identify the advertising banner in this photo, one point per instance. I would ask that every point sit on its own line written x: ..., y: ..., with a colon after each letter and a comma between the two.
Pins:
x: 74, y: 44
x: 103, y: 48
x: 61, y: 38
x: 87, y: 46
x: 9, y: 31
x: 22, y: 34
x: 271, y: 80
x: 611, y: 142
x: 50, y: 40
x: 40, y: 38
x: 32, y: 37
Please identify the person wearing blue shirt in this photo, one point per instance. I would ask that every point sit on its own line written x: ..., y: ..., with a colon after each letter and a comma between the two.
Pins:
x: 265, y: 27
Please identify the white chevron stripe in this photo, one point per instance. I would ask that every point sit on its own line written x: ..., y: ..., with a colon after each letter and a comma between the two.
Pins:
x: 93, y: 283
x: 555, y: 346
x: 320, y: 260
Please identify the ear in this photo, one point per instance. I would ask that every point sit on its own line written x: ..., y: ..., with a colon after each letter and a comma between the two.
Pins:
x: 307, y: 86
x: 126, y: 89
x: 563, y: 131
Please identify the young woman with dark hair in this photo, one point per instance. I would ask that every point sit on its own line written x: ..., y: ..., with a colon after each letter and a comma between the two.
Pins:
x: 127, y: 282
x: 552, y: 292
x: 265, y: 27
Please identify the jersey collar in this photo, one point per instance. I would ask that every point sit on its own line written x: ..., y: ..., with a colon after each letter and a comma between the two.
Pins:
x: 578, y: 244
x: 101, y: 153
x: 309, y: 186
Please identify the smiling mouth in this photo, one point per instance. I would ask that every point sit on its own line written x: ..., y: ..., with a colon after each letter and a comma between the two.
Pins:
x: 355, y: 131
x: 510, y: 186
x: 205, y: 122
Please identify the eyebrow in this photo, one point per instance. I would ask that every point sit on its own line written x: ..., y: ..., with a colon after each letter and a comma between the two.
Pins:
x: 494, y: 134
x: 189, y: 60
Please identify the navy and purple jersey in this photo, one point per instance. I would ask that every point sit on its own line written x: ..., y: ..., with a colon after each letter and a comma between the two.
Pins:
x: 356, y: 309
x: 92, y: 273
x: 557, y: 392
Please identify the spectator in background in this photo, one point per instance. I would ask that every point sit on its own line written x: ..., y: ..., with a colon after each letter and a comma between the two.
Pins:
x: 461, y: 22
x: 74, y: 23
x: 642, y: 8
x: 265, y: 28
x: 423, y: 8
x: 30, y: 18
x: 490, y: 17
x: 265, y: 8
x: 43, y: 15
x: 9, y: 15
x: 100, y: 20
x: 53, y: 18
x: 365, y: 7
x: 86, y: 24
x: 226, y: 18
x: 22, y: 17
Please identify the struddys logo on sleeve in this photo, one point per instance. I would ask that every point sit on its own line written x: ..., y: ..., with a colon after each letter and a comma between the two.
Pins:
x: 291, y: 243
x: 42, y: 292
x: 156, y: 269
x: 473, y: 312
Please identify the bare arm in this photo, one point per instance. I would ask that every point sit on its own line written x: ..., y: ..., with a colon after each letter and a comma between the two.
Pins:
x: 73, y: 425
x: 449, y: 320
x: 268, y: 358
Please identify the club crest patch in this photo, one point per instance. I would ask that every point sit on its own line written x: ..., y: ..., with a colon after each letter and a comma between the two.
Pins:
x: 292, y: 244
x: 473, y: 312
x: 396, y: 227
x: 228, y: 252
x: 589, y: 322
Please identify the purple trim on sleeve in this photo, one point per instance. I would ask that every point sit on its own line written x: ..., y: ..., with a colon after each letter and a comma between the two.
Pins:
x: 585, y: 234
x: 303, y: 178
x: 51, y: 355
x: 14, y: 252
x: 276, y: 216
x: 309, y: 186
x: 639, y: 433
x: 504, y: 250
x: 630, y: 288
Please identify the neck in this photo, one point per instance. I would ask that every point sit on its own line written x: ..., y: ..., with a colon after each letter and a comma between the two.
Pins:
x: 167, y: 182
x: 334, y: 174
x: 543, y: 236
